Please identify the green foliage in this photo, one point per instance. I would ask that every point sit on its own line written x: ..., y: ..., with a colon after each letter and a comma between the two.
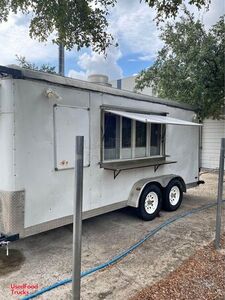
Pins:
x: 31, y: 66
x: 190, y: 67
x: 168, y: 8
x: 75, y: 22
x: 80, y: 23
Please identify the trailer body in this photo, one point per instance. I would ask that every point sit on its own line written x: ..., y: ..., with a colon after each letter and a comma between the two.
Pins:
x: 40, y: 115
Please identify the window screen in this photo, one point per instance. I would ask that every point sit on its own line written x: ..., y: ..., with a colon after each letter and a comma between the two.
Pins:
x: 126, y: 132
x: 111, y: 136
x: 155, y: 139
x: 140, y: 134
x: 125, y: 138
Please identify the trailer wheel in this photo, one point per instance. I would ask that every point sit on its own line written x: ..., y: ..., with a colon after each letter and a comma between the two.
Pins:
x: 150, y: 202
x: 173, y: 195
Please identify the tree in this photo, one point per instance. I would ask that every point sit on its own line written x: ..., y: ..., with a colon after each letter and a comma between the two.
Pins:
x: 168, y: 8
x: 190, y: 66
x: 81, y: 23
x: 23, y: 63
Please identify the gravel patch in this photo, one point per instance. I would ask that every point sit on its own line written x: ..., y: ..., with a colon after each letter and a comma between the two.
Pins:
x: 201, y: 277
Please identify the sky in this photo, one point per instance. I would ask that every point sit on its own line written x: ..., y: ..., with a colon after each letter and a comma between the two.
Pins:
x: 132, y: 26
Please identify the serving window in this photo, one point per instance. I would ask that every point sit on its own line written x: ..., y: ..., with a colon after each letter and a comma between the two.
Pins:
x: 126, y: 138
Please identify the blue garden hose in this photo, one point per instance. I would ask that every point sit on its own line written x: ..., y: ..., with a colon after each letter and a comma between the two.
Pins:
x: 124, y: 253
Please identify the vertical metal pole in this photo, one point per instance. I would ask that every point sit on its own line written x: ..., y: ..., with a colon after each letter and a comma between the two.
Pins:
x: 220, y: 194
x: 61, y: 60
x: 77, y: 219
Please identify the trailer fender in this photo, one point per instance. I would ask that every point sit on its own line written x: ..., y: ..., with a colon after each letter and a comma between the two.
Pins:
x: 139, y: 186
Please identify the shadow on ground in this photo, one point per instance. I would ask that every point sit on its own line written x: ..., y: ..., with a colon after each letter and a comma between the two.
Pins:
x: 10, y: 263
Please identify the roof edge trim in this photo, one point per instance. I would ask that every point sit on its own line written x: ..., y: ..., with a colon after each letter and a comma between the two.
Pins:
x: 20, y: 73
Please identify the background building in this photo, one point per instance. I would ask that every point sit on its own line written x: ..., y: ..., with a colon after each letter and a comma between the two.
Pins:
x: 128, y: 83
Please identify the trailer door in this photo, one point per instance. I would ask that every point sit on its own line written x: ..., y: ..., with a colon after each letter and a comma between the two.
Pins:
x: 68, y: 123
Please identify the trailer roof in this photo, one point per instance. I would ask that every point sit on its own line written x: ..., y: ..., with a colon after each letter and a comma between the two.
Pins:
x: 20, y: 73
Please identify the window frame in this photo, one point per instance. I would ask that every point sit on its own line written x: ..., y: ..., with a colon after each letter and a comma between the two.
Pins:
x: 133, y: 139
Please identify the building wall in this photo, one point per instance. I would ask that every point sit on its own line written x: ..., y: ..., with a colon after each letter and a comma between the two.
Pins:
x: 212, y: 132
x: 128, y: 84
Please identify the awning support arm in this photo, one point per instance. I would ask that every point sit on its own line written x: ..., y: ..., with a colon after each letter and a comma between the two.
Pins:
x: 116, y: 173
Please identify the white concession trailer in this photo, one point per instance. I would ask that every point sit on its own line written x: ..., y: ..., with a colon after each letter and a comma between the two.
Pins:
x: 139, y: 151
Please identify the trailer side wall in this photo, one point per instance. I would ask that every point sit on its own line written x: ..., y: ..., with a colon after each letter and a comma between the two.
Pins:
x: 49, y: 191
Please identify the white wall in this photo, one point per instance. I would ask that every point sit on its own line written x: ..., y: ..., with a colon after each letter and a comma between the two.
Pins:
x: 128, y: 83
x: 213, y: 131
x: 7, y: 178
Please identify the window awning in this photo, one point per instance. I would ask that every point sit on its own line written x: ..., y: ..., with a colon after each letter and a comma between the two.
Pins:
x: 152, y: 118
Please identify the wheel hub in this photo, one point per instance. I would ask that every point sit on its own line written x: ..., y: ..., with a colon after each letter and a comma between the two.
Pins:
x: 174, y: 195
x: 151, y: 202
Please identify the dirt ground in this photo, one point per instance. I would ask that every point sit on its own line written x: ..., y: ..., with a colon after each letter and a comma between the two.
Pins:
x: 201, y: 277
x: 46, y: 258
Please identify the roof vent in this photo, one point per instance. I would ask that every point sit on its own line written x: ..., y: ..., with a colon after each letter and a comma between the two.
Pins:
x: 99, y: 79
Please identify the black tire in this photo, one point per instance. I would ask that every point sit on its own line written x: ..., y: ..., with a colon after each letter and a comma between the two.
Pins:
x: 142, y: 209
x: 172, y: 202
